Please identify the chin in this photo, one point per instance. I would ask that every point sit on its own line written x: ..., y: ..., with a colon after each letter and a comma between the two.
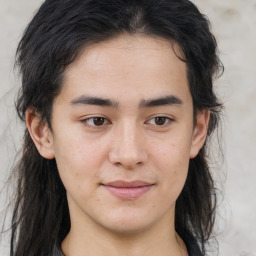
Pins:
x: 129, y: 224
x: 127, y: 229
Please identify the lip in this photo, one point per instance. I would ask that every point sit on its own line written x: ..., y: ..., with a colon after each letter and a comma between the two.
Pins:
x: 128, y: 190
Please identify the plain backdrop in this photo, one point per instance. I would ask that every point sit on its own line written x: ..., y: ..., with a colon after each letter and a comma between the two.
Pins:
x: 234, y: 24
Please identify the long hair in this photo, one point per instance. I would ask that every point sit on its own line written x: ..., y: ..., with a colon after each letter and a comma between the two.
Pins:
x: 59, y: 31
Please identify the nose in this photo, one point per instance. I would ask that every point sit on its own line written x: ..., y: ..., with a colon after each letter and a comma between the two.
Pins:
x: 128, y: 148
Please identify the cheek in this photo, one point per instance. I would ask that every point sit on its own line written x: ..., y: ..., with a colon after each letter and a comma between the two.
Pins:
x: 78, y: 162
x: 171, y: 160
x: 174, y: 153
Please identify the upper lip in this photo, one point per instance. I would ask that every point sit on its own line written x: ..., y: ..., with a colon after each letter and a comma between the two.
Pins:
x: 127, y: 184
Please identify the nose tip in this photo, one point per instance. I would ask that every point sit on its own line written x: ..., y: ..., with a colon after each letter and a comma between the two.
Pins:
x: 128, y: 153
x: 125, y: 160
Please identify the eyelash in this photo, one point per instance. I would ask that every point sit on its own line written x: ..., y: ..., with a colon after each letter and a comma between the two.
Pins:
x: 166, y: 120
x: 104, y: 121
x: 93, y: 119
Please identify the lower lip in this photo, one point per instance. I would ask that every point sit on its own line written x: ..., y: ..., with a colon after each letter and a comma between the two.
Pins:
x: 128, y: 193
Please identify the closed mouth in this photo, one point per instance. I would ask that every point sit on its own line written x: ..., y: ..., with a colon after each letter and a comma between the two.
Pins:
x: 128, y: 190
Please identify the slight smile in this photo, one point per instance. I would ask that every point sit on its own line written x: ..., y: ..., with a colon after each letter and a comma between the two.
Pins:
x: 128, y: 190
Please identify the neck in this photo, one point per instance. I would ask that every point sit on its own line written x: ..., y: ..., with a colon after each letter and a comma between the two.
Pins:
x: 158, y: 240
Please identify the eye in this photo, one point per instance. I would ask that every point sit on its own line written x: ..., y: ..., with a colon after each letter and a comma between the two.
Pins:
x: 160, y: 120
x: 96, y: 121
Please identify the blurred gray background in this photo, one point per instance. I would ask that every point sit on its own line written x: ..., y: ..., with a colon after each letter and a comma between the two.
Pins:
x: 234, y: 24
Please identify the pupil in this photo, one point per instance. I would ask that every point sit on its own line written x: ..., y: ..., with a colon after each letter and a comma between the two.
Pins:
x: 160, y: 120
x: 98, y: 121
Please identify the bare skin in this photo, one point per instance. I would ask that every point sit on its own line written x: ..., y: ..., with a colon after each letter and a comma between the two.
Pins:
x: 122, y: 136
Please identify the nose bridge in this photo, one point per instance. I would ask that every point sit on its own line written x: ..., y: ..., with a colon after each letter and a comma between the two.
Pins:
x: 128, y: 148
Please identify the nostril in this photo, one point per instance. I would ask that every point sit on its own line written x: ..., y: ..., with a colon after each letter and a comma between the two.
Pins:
x: 128, y: 153
x: 128, y: 162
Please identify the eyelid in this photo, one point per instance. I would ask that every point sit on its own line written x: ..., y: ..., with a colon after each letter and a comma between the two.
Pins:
x: 86, y: 120
x: 168, y: 119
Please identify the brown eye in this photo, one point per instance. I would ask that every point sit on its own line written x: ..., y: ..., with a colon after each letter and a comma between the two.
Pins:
x: 98, y: 121
x: 160, y: 120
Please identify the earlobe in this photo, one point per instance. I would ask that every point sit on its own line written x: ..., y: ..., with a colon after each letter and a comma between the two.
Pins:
x: 200, y: 132
x: 40, y: 134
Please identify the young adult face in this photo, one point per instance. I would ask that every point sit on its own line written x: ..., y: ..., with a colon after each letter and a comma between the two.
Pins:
x: 122, y: 134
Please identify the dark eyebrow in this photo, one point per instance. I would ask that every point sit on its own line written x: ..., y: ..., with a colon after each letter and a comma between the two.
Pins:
x: 87, y: 100
x: 167, y: 100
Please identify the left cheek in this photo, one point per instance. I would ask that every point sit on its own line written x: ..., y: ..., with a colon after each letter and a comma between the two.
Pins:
x: 173, y: 181
x: 174, y: 154
x: 174, y: 160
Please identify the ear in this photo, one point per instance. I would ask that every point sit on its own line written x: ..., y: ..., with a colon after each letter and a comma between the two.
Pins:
x: 40, y: 134
x: 200, y: 131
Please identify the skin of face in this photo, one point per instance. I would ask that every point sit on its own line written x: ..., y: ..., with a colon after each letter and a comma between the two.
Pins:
x: 124, y: 114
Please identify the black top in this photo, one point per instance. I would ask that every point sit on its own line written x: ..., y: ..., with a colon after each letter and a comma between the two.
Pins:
x: 192, y: 247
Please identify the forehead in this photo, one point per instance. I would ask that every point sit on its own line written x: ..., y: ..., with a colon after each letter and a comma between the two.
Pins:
x: 140, y: 66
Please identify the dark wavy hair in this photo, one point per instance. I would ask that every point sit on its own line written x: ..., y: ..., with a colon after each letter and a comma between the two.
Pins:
x: 57, y: 34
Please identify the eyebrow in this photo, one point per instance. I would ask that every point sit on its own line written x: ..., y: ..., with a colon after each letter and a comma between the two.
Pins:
x: 87, y: 100
x: 162, y: 101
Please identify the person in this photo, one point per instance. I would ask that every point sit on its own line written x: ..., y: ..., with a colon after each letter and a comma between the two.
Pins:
x: 119, y: 106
